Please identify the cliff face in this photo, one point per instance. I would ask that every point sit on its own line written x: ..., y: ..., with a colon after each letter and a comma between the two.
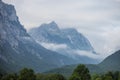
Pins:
x: 19, y: 50
x: 10, y: 28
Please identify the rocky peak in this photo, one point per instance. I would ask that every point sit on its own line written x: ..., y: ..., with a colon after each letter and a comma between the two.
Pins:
x: 8, y: 12
x: 71, y: 37
x: 53, y: 23
x: 50, y: 27
x: 9, y: 19
x: 10, y: 28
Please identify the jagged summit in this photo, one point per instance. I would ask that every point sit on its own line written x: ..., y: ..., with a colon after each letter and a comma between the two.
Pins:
x: 19, y: 50
x: 69, y: 36
x: 50, y: 26
x: 53, y: 23
x: 8, y: 12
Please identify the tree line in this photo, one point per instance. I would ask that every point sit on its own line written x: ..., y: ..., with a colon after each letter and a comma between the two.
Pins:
x: 81, y: 72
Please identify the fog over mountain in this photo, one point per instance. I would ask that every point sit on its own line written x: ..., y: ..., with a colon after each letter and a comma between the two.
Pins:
x: 98, y: 20
x: 68, y: 42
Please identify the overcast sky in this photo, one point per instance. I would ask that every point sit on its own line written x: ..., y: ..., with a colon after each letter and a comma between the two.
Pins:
x: 98, y: 20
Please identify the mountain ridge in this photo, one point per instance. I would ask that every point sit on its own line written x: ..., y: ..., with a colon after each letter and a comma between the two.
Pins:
x: 110, y: 63
x: 52, y: 29
x: 19, y: 50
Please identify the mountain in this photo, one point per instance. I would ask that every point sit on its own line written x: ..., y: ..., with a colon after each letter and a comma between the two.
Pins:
x: 50, y: 33
x: 68, y: 42
x: 111, y: 63
x: 19, y: 50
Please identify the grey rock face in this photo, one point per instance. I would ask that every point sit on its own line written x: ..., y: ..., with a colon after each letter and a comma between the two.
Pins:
x: 19, y: 50
x: 50, y: 33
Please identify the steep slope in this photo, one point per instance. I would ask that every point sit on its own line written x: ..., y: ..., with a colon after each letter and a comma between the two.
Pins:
x: 111, y: 63
x: 68, y: 42
x: 77, y: 40
x: 18, y: 49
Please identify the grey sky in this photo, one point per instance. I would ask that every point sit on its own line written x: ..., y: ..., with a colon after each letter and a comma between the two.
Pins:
x: 98, y: 20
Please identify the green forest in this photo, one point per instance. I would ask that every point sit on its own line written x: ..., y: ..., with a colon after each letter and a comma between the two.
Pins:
x: 81, y: 72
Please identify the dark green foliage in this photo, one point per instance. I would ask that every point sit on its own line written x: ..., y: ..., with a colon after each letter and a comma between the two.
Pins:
x: 116, y: 75
x: 99, y: 78
x: 10, y: 77
x: 1, y: 76
x: 107, y: 76
x: 95, y: 76
x: 27, y: 74
x: 74, y: 77
x: 40, y: 76
x: 81, y: 73
x: 55, y: 77
x: 119, y: 77
x: 50, y: 77
x: 67, y: 70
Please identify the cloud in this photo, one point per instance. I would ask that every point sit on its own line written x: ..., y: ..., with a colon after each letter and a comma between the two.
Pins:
x: 88, y: 54
x: 70, y: 52
x: 54, y: 47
